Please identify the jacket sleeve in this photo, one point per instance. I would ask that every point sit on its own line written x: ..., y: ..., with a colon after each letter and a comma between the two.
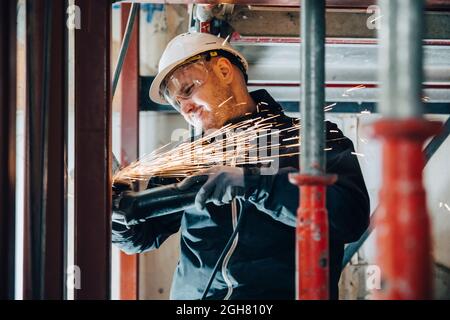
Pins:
x: 150, y: 234
x: 145, y: 236
x: 347, y: 200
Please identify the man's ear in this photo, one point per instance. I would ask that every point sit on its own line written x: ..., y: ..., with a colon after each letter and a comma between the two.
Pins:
x: 224, y: 70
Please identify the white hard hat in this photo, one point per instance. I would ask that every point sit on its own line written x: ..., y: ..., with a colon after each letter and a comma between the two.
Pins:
x: 183, y: 47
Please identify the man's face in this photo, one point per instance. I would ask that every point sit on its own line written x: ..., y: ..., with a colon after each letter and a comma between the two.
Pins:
x: 200, y: 95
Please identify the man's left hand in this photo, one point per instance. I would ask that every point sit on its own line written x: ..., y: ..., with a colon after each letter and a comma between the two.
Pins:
x: 223, y: 185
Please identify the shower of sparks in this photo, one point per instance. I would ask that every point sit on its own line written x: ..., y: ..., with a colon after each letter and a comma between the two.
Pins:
x: 361, y: 86
x: 358, y: 154
x: 440, y: 204
x: 375, y: 19
x: 226, y: 102
x: 447, y: 207
x: 363, y: 140
x: 226, y: 40
x: 233, y: 143
x: 358, y: 87
x: 329, y: 107
x: 290, y: 139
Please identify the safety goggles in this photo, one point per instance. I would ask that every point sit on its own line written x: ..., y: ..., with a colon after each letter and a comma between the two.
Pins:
x: 184, y: 82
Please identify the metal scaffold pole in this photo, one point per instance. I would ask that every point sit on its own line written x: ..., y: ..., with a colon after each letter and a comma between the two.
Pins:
x: 312, y: 220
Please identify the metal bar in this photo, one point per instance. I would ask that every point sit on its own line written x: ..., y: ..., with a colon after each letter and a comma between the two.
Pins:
x: 129, y: 264
x: 404, y: 246
x: 56, y: 141
x: 93, y: 149
x: 432, y: 4
x: 8, y: 77
x: 312, y: 221
x: 437, y: 141
x: 46, y: 136
x: 432, y: 147
x: 124, y: 46
x: 313, y: 93
x: 402, y: 70
x: 34, y: 168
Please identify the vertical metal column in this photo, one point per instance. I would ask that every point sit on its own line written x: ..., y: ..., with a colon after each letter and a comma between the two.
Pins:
x: 93, y: 149
x: 56, y: 180
x: 129, y: 264
x: 33, y: 215
x: 8, y: 72
x: 312, y: 220
x: 403, y: 237
x: 46, y: 147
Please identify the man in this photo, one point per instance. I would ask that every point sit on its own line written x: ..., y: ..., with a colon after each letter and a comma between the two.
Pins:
x: 204, y: 78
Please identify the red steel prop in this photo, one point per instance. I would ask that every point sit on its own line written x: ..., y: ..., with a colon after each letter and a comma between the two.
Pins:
x: 402, y: 224
x: 312, y: 237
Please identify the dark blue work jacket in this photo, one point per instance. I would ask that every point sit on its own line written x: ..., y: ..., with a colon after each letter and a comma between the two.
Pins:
x: 261, y: 264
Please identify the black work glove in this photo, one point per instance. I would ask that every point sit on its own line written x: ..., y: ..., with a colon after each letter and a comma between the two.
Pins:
x: 118, y: 217
x: 223, y: 185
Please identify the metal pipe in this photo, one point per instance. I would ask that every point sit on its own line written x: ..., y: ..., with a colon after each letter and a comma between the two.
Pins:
x: 312, y: 259
x: 129, y: 264
x: 313, y: 93
x: 403, y: 237
x: 124, y: 46
x: 401, y: 68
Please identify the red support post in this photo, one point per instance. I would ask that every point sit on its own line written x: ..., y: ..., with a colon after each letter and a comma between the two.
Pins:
x: 312, y: 243
x: 93, y: 149
x: 129, y: 264
x: 45, y: 216
x: 402, y: 222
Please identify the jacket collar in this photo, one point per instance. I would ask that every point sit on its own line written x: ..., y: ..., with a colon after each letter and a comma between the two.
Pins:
x: 266, y: 106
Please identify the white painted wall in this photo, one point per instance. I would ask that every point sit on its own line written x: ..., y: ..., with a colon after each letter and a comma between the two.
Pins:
x: 157, y: 267
x: 437, y: 183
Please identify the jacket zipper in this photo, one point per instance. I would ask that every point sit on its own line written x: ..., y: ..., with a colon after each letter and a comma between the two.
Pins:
x: 225, y: 274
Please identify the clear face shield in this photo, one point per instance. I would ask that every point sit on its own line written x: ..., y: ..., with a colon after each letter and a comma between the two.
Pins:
x: 184, y: 82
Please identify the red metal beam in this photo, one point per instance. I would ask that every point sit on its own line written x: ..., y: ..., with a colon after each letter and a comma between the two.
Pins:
x: 129, y: 264
x: 93, y: 149
x: 8, y: 83
x: 348, y: 4
x: 45, y: 149
x: 56, y: 195
x: 34, y: 162
x: 237, y: 39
